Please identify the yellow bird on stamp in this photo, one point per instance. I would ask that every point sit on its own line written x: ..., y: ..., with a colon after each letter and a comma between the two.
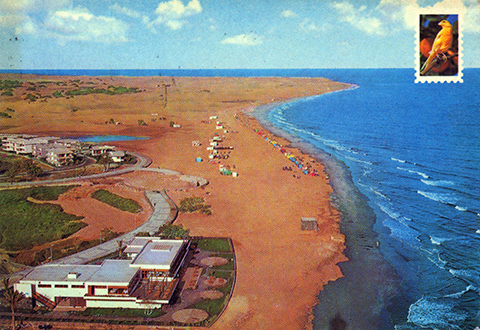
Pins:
x: 442, y: 43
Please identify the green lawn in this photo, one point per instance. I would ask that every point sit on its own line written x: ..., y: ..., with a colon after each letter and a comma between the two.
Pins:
x: 116, y: 201
x: 125, y: 312
x: 24, y: 224
x: 214, y: 245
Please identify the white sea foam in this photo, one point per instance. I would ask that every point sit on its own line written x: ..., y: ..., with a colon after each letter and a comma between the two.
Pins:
x: 478, y: 231
x: 437, y: 313
x: 398, y: 160
x: 459, y: 294
x: 438, y: 240
x: 438, y: 183
x: 466, y: 275
x: 423, y: 175
x: 462, y: 209
x: 438, y: 197
x: 390, y: 213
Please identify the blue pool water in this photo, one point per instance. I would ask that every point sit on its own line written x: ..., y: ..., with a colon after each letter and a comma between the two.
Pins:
x: 108, y: 138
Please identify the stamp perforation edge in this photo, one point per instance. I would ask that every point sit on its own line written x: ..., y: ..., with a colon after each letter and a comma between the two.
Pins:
x: 442, y: 79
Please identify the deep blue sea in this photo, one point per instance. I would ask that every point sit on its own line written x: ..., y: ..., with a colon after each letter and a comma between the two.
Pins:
x: 413, y: 150
x: 404, y: 161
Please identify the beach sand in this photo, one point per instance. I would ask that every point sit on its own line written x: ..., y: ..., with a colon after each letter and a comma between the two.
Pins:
x: 280, y: 268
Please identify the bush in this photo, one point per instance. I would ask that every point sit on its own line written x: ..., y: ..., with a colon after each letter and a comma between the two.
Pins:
x: 7, y: 93
x: 173, y: 231
x: 57, y: 94
x: 31, y: 97
x: 124, y: 204
x: 193, y: 204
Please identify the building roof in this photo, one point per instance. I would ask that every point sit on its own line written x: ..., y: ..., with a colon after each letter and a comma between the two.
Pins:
x: 158, y: 254
x: 110, y: 271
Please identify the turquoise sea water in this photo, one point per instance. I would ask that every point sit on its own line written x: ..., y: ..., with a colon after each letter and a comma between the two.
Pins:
x: 404, y: 161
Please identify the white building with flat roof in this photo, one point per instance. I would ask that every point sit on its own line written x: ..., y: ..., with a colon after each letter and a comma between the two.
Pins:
x: 147, y: 281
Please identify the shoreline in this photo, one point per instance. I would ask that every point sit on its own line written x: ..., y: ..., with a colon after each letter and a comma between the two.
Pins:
x: 336, y: 300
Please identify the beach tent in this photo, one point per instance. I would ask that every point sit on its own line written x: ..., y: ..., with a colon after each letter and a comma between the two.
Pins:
x: 199, y: 159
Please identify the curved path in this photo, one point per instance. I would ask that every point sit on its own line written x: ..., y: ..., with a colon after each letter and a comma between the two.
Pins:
x: 163, y: 213
x: 164, y: 210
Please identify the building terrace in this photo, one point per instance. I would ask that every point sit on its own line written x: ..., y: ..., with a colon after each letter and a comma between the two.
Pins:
x: 147, y: 281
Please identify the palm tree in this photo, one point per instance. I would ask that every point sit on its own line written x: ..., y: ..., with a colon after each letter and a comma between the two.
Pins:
x: 11, y: 297
x: 120, y: 246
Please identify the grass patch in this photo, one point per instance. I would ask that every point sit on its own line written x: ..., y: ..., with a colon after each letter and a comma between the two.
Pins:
x: 24, y: 224
x: 124, y: 204
x: 123, y: 312
x: 211, y: 306
x: 112, y: 90
x: 193, y: 204
x: 9, y: 84
x: 227, y: 266
x: 214, y: 244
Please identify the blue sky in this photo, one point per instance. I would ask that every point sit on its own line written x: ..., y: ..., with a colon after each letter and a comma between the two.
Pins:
x: 207, y: 34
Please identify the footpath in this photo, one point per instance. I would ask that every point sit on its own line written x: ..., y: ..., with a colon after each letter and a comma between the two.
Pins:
x: 164, y: 210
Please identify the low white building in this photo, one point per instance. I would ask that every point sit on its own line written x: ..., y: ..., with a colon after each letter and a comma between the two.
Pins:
x: 117, y: 156
x: 144, y: 282
x: 59, y: 156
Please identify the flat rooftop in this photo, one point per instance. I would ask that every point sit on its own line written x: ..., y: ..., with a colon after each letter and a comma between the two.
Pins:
x: 110, y: 271
x: 158, y: 254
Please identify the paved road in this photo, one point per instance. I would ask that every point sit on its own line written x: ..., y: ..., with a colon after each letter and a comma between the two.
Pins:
x: 142, y: 163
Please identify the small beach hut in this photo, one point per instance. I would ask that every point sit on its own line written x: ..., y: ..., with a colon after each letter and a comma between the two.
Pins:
x: 308, y: 223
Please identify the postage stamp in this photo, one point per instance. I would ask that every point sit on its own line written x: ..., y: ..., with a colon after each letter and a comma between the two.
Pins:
x: 438, y: 50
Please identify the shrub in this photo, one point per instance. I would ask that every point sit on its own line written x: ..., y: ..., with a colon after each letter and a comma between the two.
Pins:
x: 193, y: 204
x: 31, y: 97
x: 7, y: 93
x: 124, y: 204
x: 57, y: 94
x: 173, y: 231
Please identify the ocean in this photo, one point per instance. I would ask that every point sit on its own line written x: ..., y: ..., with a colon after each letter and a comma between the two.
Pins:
x: 404, y: 162
x: 412, y: 216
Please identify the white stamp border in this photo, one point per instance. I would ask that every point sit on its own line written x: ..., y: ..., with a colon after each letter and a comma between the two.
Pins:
x: 439, y: 79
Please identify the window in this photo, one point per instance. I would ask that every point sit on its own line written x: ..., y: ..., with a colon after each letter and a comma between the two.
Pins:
x: 61, y: 286
x: 78, y: 286
x: 44, y: 285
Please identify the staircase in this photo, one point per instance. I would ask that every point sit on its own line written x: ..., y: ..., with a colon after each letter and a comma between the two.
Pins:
x: 43, y: 300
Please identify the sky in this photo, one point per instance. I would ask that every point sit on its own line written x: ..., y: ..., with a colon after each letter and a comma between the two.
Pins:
x: 221, y: 34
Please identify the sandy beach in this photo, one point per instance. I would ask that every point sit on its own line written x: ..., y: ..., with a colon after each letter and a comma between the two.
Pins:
x: 280, y: 268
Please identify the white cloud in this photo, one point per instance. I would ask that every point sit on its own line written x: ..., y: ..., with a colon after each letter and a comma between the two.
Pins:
x: 288, y: 13
x: 126, y: 11
x: 358, y: 18
x: 176, y: 8
x: 308, y: 26
x: 81, y: 25
x: 172, y: 14
x: 22, y: 6
x: 244, y: 40
x: 405, y: 13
